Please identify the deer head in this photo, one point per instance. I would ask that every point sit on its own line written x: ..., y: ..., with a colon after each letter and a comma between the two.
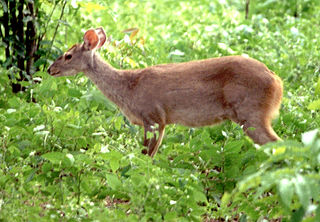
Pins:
x: 79, y: 57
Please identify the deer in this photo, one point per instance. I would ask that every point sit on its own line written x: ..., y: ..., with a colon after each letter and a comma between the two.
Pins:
x: 194, y: 94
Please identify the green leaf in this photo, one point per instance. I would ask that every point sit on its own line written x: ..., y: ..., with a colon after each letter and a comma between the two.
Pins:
x: 45, y: 86
x: 27, y: 19
x: 114, y: 164
x: 317, y: 218
x: 11, y: 111
x: 149, y: 135
x: 63, y: 22
x: 317, y: 89
x: 298, y: 215
x: 74, y: 93
x: 14, y: 102
x: 113, y: 181
x: 250, y: 181
x: 58, y: 158
x: 39, y: 128
x: 70, y: 157
x: 46, y: 167
x: 171, y: 216
x: 4, y: 6
x: 54, y: 86
x: 286, y: 189
x: 176, y: 52
x: 97, y: 97
x: 315, y: 105
x: 302, y: 190
x: 225, y: 200
x: 118, y: 122
x: 92, y: 7
x: 309, y: 137
x: 31, y: 175
x: 243, y: 218
x: 199, y: 196
x: 40, y: 62
x: 234, y: 146
x: 83, y: 158
x: 226, y: 48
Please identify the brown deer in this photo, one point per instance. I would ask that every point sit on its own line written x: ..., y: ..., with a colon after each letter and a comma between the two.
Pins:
x: 195, y: 94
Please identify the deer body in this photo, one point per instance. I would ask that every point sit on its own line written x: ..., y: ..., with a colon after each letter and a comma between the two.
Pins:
x: 196, y: 93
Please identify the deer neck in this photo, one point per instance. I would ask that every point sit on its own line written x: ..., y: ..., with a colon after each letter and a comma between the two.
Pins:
x: 111, y: 82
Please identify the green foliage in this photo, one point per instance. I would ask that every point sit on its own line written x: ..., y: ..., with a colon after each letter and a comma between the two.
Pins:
x: 67, y: 153
x: 315, y: 105
x: 289, y: 175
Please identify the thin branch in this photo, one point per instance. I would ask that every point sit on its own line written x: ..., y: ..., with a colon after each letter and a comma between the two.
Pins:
x: 47, y: 23
x: 58, y: 24
x: 247, y: 8
x: 1, y: 34
x: 6, y: 31
x: 54, y: 34
x: 20, y: 34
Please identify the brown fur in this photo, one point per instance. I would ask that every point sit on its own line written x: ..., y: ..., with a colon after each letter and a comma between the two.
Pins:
x: 195, y: 94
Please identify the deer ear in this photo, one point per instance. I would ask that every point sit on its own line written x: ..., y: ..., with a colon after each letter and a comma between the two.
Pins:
x: 102, y: 36
x: 91, y: 39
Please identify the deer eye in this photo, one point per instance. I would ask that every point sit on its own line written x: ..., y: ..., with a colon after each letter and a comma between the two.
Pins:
x: 68, y: 56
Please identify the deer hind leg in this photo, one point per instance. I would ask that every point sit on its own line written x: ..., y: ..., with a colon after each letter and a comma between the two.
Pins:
x: 255, y: 108
x: 261, y: 133
x: 257, y: 125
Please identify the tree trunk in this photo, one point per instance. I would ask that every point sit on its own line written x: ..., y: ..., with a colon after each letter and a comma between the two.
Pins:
x: 31, y: 43
x: 17, y: 37
x: 18, y: 31
x: 20, y: 43
x: 6, y: 30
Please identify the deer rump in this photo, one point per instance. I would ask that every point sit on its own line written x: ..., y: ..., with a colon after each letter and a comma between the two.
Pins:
x: 196, y: 93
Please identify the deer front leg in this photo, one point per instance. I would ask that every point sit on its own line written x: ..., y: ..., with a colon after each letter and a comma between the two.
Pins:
x: 152, y: 143
x: 153, y: 149
x: 148, y: 141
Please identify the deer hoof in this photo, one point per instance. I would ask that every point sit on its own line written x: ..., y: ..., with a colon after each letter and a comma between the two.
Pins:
x: 146, y: 142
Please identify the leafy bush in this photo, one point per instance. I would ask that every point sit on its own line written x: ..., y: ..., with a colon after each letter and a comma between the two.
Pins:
x: 285, y: 184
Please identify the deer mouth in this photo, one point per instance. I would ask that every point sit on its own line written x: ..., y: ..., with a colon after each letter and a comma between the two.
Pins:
x: 55, y: 73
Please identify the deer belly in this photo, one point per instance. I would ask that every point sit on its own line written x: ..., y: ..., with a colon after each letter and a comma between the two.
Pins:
x: 198, y: 116
x: 132, y: 118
